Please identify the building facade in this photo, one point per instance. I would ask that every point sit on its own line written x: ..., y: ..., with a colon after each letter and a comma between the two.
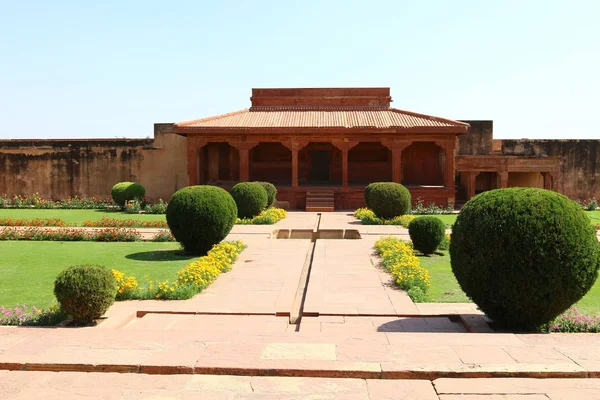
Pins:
x: 320, y: 147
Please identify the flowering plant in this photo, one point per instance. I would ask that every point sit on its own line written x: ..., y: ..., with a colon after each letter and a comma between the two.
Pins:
x: 572, y: 321
x: 125, y: 223
x: 399, y: 260
x: 268, y: 216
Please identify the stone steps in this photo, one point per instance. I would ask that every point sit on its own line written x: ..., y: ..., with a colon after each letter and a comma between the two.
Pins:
x: 320, y: 201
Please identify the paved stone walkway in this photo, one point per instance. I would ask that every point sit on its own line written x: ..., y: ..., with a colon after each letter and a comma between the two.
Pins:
x: 359, y: 337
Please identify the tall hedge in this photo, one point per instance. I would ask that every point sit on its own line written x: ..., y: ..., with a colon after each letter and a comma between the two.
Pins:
x: 250, y: 198
x: 122, y: 192
x: 85, y: 292
x: 426, y: 233
x: 524, y: 255
x: 389, y: 199
x: 271, y: 192
x: 200, y: 217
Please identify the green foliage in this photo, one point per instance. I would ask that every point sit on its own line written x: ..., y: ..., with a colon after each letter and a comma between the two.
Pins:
x: 389, y: 200
x: 426, y: 233
x: 125, y: 191
x: 367, y: 192
x: 524, y: 255
x: 271, y: 192
x: 85, y: 292
x: 250, y: 198
x: 201, y: 216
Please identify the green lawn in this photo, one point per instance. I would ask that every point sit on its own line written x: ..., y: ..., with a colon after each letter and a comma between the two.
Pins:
x: 445, y: 289
x: 449, y: 219
x: 76, y: 217
x: 28, y: 269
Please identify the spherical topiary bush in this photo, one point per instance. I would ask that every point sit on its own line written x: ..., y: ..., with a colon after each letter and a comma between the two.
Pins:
x: 250, y: 198
x: 426, y: 233
x: 367, y: 192
x: 271, y: 192
x: 524, y: 255
x: 85, y: 292
x: 122, y: 192
x: 200, y: 217
x: 389, y: 200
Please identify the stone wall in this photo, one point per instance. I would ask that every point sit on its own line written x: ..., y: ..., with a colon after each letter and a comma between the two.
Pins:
x: 478, y: 141
x: 579, y: 166
x: 61, y: 168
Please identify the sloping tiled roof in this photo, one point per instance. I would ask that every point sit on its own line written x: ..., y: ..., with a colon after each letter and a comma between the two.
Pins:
x: 320, y: 117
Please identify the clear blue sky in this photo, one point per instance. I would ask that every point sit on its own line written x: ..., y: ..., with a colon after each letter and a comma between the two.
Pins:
x: 113, y: 68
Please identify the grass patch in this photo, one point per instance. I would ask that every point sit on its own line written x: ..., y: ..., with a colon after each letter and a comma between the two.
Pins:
x: 28, y: 269
x: 445, y: 288
x: 76, y: 217
x: 450, y: 219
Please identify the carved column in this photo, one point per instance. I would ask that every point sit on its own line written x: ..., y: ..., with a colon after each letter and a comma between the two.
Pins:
x: 344, y: 146
x: 244, y: 150
x: 449, y: 182
x: 193, y: 145
x: 397, y: 147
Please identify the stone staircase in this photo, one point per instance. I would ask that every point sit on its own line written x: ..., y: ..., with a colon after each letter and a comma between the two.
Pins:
x: 320, y: 201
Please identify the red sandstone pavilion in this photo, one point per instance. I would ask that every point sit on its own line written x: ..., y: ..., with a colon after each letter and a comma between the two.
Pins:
x: 321, y: 147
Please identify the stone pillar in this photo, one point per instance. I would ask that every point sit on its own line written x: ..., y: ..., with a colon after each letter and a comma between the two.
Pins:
x: 397, y: 147
x: 471, y: 184
x: 450, y: 175
x: 244, y: 150
x: 295, y: 147
x: 193, y: 166
x: 344, y: 146
x: 502, y: 182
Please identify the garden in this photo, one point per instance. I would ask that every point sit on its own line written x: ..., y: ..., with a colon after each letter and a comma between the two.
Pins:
x: 525, y: 256
x: 53, y: 262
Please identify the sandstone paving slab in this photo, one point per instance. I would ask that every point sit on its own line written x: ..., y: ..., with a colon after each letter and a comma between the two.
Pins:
x: 345, y: 281
x: 401, y: 389
x: 552, y: 388
x: 494, y: 397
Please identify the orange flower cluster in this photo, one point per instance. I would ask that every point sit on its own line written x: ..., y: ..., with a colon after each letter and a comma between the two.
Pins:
x: 125, y: 223
x: 32, y: 222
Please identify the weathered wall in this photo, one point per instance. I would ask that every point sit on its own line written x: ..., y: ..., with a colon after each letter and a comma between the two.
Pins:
x: 478, y: 141
x: 579, y: 166
x: 62, y: 168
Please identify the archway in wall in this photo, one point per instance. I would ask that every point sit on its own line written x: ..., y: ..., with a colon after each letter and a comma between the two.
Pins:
x: 525, y: 179
x: 271, y: 162
x: 220, y: 164
x: 369, y: 162
x: 320, y: 164
x: 422, y: 164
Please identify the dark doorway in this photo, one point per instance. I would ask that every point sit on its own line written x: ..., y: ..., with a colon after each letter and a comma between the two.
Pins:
x: 319, y: 166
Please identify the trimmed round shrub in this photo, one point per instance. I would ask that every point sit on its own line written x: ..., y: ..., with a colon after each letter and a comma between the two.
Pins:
x: 367, y: 192
x: 389, y: 200
x: 426, y: 233
x: 200, y: 217
x: 250, y: 198
x: 524, y: 255
x: 85, y: 292
x: 271, y: 192
x: 122, y: 192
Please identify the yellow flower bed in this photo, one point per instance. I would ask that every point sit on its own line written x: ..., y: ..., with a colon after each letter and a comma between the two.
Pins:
x: 204, y: 271
x: 268, y: 216
x: 399, y: 260
x: 368, y: 217
x: 191, y: 279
